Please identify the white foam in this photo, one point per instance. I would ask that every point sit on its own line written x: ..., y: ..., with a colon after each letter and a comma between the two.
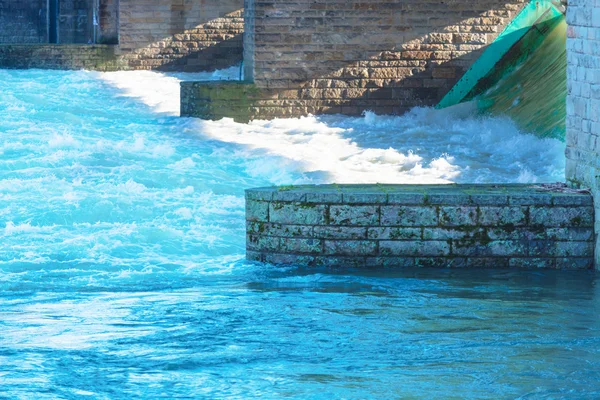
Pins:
x: 64, y: 140
x: 158, y: 90
x: 423, y: 146
x: 11, y: 228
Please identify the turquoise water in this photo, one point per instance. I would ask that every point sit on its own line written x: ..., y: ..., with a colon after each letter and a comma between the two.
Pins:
x: 122, y: 272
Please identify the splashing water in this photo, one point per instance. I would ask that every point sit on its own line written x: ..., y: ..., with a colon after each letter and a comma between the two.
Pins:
x: 424, y: 146
x: 122, y: 272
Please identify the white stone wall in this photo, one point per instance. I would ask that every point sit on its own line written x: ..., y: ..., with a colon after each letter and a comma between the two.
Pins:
x: 583, y: 100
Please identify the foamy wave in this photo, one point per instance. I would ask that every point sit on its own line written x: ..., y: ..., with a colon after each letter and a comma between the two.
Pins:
x: 11, y: 228
x: 423, y: 146
x: 160, y: 91
x: 64, y: 140
x: 315, y: 146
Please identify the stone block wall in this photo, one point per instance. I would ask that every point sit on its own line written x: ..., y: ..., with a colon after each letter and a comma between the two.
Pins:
x: 583, y: 98
x: 23, y: 21
x: 181, y: 35
x: 166, y: 35
x: 232, y: 99
x: 345, y: 56
x: 483, y: 226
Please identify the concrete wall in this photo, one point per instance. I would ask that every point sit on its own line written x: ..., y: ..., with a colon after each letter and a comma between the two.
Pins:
x: 344, y: 56
x: 583, y: 99
x: 430, y: 226
x: 168, y: 35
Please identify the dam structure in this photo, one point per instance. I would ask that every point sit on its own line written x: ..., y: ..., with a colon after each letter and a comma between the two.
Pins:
x: 458, y: 226
x: 278, y: 243
x: 300, y: 58
x: 434, y: 65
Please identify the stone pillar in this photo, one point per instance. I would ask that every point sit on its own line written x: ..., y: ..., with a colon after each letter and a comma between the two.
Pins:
x: 583, y: 100
x: 249, y: 38
x: 108, y: 20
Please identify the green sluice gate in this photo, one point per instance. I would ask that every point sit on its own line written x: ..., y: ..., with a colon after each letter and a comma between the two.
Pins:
x: 523, y: 73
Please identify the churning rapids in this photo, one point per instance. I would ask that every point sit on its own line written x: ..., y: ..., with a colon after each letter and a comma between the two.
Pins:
x: 122, y: 271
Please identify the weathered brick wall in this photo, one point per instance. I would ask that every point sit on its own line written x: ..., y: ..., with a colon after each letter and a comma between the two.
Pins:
x: 181, y: 35
x: 583, y: 98
x: 23, y: 21
x: 234, y: 99
x: 439, y: 226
